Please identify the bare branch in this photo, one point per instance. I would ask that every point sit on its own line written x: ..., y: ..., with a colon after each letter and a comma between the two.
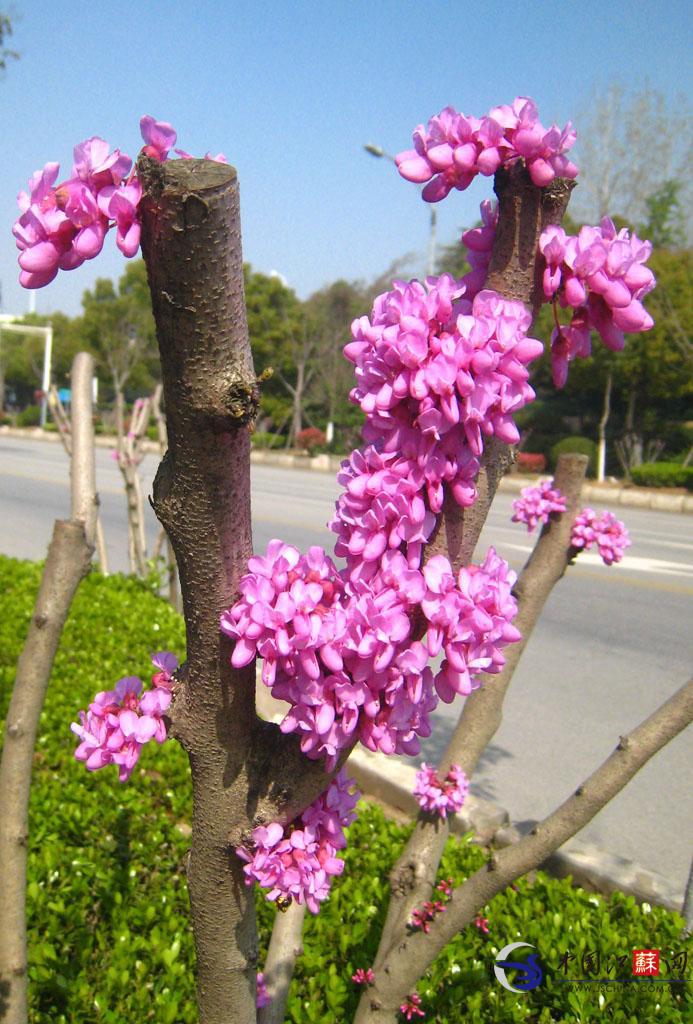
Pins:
x: 286, y: 945
x: 69, y: 557
x: 405, y: 964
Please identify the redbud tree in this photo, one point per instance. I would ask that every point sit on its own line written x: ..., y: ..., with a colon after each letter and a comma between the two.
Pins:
x: 441, y: 367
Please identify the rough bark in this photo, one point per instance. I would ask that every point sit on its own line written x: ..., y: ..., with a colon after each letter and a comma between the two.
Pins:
x: 401, y: 970
x: 192, y: 247
x: 69, y: 557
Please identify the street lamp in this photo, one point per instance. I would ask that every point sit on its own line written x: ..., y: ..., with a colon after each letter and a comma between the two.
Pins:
x: 380, y: 153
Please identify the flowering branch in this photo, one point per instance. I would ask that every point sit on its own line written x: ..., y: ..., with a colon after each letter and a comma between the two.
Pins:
x: 405, y: 963
x: 285, y: 947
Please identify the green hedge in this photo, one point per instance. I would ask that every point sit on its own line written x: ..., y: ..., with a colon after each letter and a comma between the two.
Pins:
x: 581, y: 445
x: 663, y: 474
x: 107, y: 901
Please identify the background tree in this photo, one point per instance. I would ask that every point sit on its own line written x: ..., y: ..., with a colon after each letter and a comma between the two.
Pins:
x: 5, y: 32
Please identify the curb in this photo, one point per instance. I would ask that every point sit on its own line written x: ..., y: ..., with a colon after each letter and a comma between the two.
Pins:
x: 391, y: 782
x: 631, y: 497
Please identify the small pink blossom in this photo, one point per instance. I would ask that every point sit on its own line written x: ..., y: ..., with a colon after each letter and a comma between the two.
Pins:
x: 262, y: 995
x: 603, y: 531
x: 438, y: 797
x: 411, y: 1006
x: 537, y: 504
x: 362, y: 977
x: 482, y: 924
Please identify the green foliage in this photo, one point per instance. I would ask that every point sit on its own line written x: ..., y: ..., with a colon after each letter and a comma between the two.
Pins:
x: 109, y: 935
x: 663, y: 474
x: 5, y: 31
x: 29, y: 417
x: 581, y: 445
x: 263, y: 439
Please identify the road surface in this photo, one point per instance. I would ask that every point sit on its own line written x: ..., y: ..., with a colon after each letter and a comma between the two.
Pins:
x: 612, y: 644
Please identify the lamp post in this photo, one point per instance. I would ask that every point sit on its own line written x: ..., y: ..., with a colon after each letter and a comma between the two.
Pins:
x: 381, y: 154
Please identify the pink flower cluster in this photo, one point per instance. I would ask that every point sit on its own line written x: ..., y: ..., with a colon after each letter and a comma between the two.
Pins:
x: 120, y: 721
x: 63, y: 225
x: 537, y: 504
x: 453, y: 148
x: 342, y: 651
x: 603, y: 531
x: 600, y: 274
x: 362, y: 977
x: 411, y: 1006
x: 421, y: 917
x: 262, y: 997
x: 438, y: 797
x: 436, y: 372
x: 300, y: 862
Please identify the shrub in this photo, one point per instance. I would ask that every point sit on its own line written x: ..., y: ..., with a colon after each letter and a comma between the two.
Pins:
x: 261, y: 439
x: 29, y: 417
x: 581, y: 445
x: 310, y: 439
x: 109, y: 933
x: 530, y: 462
x: 663, y: 474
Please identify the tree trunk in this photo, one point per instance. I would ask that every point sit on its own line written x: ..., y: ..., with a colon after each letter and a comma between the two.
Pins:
x: 192, y: 247
x: 601, y: 446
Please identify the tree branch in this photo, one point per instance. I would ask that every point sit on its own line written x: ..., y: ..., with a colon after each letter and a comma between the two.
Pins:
x: 69, y: 557
x: 406, y: 963
x: 286, y: 945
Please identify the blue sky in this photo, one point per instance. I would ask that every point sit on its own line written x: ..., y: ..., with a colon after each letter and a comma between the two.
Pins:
x: 291, y: 92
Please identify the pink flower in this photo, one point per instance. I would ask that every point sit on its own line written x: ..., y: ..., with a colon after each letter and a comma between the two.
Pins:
x: 159, y: 137
x: 453, y: 148
x: 362, y: 977
x: 602, y: 529
x: 482, y: 924
x: 438, y: 797
x: 120, y: 203
x: 299, y: 862
x: 120, y: 721
x: 601, y: 275
x: 410, y: 1006
x: 537, y: 504
x: 262, y: 995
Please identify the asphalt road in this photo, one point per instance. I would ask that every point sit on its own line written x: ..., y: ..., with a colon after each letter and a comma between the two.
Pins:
x: 612, y: 644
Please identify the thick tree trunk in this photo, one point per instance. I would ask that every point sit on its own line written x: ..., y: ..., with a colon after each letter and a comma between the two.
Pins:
x: 192, y: 246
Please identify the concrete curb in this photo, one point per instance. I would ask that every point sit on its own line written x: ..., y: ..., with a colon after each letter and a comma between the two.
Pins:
x: 632, y: 497
x: 391, y: 782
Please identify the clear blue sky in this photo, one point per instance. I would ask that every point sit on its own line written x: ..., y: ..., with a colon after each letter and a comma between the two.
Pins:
x: 291, y: 92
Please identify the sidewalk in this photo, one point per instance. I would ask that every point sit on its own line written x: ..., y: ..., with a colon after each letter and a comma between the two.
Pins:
x: 390, y: 782
x: 611, y: 494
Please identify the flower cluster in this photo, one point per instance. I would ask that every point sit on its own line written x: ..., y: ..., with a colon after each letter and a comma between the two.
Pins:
x: 438, y: 797
x: 63, y: 225
x: 603, y: 531
x: 120, y: 721
x: 537, y: 504
x: 343, y: 653
x: 421, y: 917
x: 362, y: 977
x: 411, y: 1006
x: 300, y: 861
x: 453, y: 148
x: 482, y: 924
x: 262, y: 997
x: 436, y: 372
x: 600, y: 274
